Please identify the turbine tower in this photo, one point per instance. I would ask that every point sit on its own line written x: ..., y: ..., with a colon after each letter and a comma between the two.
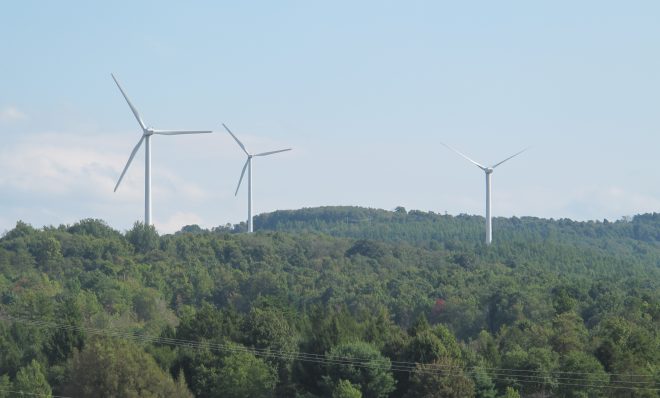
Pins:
x: 147, y: 132
x: 488, y: 171
x: 248, y: 166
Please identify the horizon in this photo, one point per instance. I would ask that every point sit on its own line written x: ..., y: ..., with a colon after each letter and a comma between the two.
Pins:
x: 627, y: 218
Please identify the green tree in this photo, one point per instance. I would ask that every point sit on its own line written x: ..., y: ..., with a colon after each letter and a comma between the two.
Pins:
x: 366, y: 368
x: 31, y: 380
x: 267, y: 329
x: 483, y: 383
x: 117, y: 368
x: 144, y: 238
x: 443, y: 378
x: 242, y: 375
x: 47, y: 250
x: 569, y: 333
x: 510, y: 393
x: 589, y: 372
x: 543, y: 362
x: 21, y: 229
x: 344, y: 389
x: 327, y: 328
x: 5, y: 387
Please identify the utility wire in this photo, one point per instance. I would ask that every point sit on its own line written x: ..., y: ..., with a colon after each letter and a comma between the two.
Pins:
x: 394, y: 365
x: 402, y: 366
x: 34, y: 394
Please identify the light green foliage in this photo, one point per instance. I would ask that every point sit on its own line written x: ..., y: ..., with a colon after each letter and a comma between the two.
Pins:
x: 510, y: 393
x: 117, y: 368
x: 31, y: 380
x: 344, y: 389
x: 242, y: 375
x: 5, y: 387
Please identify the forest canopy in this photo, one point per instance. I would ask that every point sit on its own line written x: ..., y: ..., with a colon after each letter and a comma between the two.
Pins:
x: 334, y: 302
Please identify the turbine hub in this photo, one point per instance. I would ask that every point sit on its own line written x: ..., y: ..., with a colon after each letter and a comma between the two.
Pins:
x: 148, y: 131
x: 488, y: 170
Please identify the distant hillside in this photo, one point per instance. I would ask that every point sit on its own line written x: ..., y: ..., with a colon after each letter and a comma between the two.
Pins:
x: 423, y: 228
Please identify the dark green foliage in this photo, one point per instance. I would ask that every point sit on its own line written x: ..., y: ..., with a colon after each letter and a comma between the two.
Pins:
x: 404, y: 289
x: 443, y: 378
x: 367, y: 248
x: 373, y: 377
x: 144, y: 238
x: 592, y: 372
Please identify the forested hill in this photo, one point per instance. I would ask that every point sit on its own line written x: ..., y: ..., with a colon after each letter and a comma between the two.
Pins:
x: 423, y: 228
x: 552, y: 308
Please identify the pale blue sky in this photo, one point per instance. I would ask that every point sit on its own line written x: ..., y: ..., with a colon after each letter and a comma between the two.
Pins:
x: 364, y: 92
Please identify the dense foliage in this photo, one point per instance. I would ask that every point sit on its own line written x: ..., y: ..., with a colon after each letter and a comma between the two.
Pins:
x: 317, y: 304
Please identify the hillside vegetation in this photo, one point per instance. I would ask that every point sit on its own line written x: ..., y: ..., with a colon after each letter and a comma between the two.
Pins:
x: 334, y: 302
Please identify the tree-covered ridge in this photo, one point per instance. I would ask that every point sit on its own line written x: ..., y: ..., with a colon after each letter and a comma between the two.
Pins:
x: 422, y: 227
x: 310, y: 315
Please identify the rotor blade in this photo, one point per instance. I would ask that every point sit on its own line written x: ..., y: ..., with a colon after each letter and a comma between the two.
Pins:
x: 177, y: 132
x: 510, y: 157
x: 242, y: 174
x: 130, y: 159
x: 135, y: 112
x: 272, y: 152
x: 237, y: 140
x: 472, y: 161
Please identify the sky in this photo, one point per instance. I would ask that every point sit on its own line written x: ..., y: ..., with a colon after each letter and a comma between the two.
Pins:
x: 364, y: 92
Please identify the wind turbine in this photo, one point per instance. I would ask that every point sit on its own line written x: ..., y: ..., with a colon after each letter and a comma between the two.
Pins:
x: 147, y: 132
x: 488, y: 171
x: 248, y: 166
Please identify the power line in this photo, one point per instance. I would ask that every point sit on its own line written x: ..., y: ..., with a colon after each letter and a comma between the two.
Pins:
x: 34, y: 394
x: 501, y: 374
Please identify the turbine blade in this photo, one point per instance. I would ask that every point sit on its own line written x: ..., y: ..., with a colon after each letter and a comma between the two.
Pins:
x: 242, y: 174
x: 135, y: 112
x: 237, y: 140
x: 177, y: 132
x: 470, y: 160
x: 272, y: 152
x: 130, y: 159
x: 510, y: 157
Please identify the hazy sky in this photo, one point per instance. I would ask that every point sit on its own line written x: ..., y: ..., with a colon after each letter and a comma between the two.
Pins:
x: 364, y: 91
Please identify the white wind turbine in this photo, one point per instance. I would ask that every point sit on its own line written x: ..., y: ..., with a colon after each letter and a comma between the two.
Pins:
x: 248, y: 166
x: 488, y: 171
x: 147, y: 132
